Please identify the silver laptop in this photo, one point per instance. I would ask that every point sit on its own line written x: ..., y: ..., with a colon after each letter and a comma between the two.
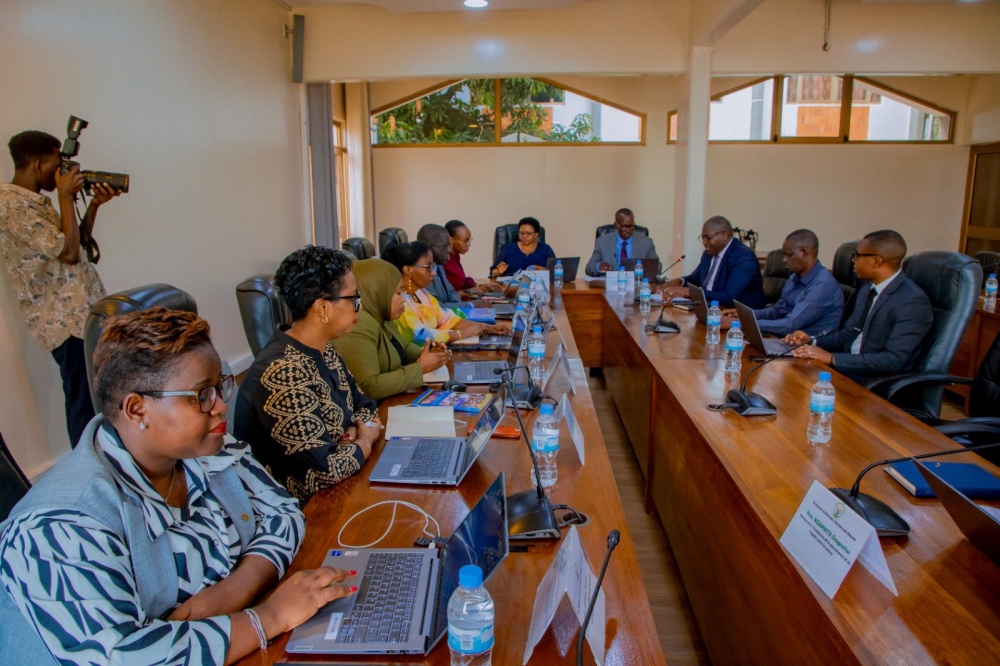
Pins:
x: 483, y: 372
x: 401, y: 606
x: 698, y: 303
x: 437, y: 460
x: 506, y: 310
x: 748, y: 321
x: 980, y: 524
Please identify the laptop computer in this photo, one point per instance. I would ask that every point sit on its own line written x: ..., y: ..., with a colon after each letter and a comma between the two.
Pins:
x: 980, y: 524
x: 571, y: 265
x: 650, y: 267
x: 748, y: 321
x: 482, y: 372
x: 437, y: 460
x: 506, y: 310
x: 698, y: 303
x: 401, y: 606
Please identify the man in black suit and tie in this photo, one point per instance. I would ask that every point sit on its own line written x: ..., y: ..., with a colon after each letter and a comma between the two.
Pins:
x: 728, y: 271
x: 891, y: 318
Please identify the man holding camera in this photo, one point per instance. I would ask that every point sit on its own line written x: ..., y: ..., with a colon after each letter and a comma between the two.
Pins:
x: 54, y: 281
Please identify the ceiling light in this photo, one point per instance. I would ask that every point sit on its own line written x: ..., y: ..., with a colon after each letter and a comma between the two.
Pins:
x: 476, y: 4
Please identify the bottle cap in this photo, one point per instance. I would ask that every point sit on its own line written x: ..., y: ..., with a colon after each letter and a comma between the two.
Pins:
x: 825, y: 376
x: 558, y: 262
x: 470, y: 576
x: 519, y: 307
x: 735, y: 324
x: 546, y: 409
x: 536, y: 329
x: 993, y: 276
x: 715, y: 304
x: 645, y: 280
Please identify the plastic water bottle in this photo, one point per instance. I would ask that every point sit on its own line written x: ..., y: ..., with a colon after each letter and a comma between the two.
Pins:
x: 639, y: 272
x: 470, y: 620
x: 990, y: 302
x: 545, y: 444
x: 536, y: 354
x: 622, y: 282
x: 539, y: 293
x: 524, y: 296
x: 557, y: 274
x: 734, y: 350
x: 821, y: 410
x: 645, y: 296
x: 519, y: 318
x: 713, y: 320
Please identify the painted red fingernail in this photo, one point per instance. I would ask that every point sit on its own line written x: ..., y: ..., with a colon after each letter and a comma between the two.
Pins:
x: 353, y: 572
x: 354, y: 588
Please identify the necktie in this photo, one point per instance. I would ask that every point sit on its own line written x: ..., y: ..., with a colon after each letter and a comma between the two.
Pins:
x: 868, y: 308
x: 623, y: 256
x: 710, y: 282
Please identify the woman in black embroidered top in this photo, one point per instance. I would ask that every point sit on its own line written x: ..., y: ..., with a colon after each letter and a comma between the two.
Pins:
x: 299, y: 407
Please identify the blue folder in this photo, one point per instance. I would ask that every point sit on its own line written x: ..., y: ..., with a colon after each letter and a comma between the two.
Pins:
x: 970, y: 479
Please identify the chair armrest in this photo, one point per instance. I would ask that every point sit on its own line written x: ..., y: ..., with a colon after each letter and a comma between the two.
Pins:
x: 984, y: 425
x: 892, y: 385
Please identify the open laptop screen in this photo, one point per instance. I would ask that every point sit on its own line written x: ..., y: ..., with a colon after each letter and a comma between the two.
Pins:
x: 481, y: 539
x: 484, y: 427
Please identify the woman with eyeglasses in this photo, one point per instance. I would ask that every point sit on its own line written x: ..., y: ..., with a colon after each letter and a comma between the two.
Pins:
x: 528, y: 253
x: 152, y: 540
x: 461, y: 243
x: 423, y: 317
x: 381, y: 360
x: 299, y: 406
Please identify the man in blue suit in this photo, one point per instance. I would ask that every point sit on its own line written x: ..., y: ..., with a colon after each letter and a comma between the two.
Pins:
x: 729, y: 270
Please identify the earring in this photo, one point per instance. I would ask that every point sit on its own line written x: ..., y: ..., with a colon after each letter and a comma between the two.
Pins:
x: 142, y: 425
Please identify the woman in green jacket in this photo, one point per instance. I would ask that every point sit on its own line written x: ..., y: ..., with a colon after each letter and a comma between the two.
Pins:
x: 382, y: 362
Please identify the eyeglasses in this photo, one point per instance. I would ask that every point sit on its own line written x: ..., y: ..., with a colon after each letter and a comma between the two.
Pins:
x: 356, y: 297
x: 704, y: 239
x: 206, y: 396
x: 527, y: 234
x: 427, y: 267
x: 856, y: 255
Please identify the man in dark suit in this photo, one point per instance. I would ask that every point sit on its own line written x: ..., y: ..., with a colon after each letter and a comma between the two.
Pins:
x: 729, y: 270
x: 891, y: 318
x: 611, y: 249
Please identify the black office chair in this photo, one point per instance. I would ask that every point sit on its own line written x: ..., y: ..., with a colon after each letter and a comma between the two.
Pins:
x: 843, y: 272
x: 775, y: 275
x: 610, y: 228
x: 360, y: 248
x: 262, y: 310
x: 990, y: 261
x: 507, y: 233
x: 389, y: 237
x: 13, y: 483
x: 951, y: 282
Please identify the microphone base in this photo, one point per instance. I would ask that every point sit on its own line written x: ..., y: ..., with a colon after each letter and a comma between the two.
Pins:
x: 530, y: 518
x: 879, y: 515
x: 750, y: 404
x: 526, y: 396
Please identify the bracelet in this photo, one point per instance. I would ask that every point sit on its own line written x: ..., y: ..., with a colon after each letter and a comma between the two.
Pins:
x: 362, y: 439
x: 258, y: 627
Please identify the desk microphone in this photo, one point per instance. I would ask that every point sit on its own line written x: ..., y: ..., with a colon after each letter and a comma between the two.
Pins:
x: 667, y: 269
x: 663, y: 325
x: 525, y: 396
x: 745, y: 403
x: 613, y: 538
x: 879, y: 514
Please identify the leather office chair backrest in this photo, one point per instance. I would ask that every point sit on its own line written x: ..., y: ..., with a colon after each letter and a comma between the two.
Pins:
x: 775, y: 275
x: 990, y: 261
x: 262, y: 309
x: 609, y: 228
x: 507, y: 233
x: 13, y: 483
x: 843, y: 267
x: 984, y: 396
x: 951, y: 281
x: 389, y: 237
x: 130, y: 300
x: 361, y: 248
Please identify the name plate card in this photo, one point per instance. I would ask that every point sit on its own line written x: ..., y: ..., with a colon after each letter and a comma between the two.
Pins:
x: 559, y: 357
x: 564, y: 410
x: 611, y: 280
x: 570, y: 574
x: 826, y: 537
x: 540, y: 275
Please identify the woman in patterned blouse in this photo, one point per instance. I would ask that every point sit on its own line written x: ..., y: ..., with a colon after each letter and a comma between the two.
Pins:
x: 299, y: 406
x: 423, y: 317
x: 146, y: 544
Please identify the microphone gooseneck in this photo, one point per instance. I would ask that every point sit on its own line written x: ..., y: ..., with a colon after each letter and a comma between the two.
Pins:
x: 613, y: 538
x: 509, y: 383
x: 667, y: 269
x: 743, y: 387
x: 855, y: 489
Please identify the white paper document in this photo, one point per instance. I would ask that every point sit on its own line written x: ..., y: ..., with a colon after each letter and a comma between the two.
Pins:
x: 439, y: 375
x: 611, y: 280
x: 577, y: 373
x: 572, y: 575
x: 409, y: 421
x: 564, y: 410
x: 471, y: 340
x: 826, y: 537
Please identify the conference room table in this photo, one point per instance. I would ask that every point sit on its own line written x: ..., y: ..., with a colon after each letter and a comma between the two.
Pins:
x: 726, y: 487
x: 631, y: 636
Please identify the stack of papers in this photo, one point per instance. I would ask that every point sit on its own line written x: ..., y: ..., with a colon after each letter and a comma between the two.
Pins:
x: 406, y: 421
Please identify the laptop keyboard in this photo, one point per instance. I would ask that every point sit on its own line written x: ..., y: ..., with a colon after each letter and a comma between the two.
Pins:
x: 383, y: 607
x: 482, y: 371
x: 776, y: 346
x: 431, y: 459
x: 503, y: 309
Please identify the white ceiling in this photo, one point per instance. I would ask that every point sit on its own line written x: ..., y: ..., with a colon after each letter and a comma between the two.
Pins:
x: 438, y: 5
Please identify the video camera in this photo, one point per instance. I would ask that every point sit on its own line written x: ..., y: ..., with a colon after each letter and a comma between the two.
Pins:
x: 70, y: 149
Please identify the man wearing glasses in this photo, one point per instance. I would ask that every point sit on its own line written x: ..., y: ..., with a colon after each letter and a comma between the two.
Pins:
x: 891, y: 317
x: 728, y: 271
x: 611, y: 250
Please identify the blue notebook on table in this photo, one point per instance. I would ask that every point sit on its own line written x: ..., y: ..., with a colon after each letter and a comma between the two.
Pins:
x: 970, y: 479
x: 481, y: 315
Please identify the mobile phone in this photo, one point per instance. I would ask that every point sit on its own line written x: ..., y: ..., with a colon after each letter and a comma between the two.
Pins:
x: 507, y: 432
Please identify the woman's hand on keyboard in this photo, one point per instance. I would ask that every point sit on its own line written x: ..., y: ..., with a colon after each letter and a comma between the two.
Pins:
x: 298, y: 598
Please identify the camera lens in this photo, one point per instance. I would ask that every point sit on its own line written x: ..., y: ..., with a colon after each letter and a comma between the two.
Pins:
x: 116, y: 181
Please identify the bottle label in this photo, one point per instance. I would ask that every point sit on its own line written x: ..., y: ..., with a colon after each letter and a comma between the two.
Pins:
x: 734, y: 345
x: 713, y: 320
x: 991, y: 289
x: 821, y: 403
x: 545, y: 443
x: 536, y: 349
x: 470, y: 641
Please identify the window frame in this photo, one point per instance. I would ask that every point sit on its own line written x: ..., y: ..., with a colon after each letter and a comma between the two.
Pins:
x: 342, y: 193
x: 498, y: 126
x: 846, y: 106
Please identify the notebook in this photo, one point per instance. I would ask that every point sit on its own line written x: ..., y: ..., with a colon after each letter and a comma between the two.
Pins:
x: 967, y: 478
x: 407, y: 421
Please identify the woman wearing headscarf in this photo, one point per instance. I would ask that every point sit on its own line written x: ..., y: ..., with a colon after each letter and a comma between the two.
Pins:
x: 381, y: 360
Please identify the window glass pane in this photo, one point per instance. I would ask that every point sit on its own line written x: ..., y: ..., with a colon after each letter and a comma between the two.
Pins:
x: 460, y: 113
x: 810, y: 105
x: 878, y: 115
x: 742, y: 115
x: 534, y: 111
x: 672, y: 130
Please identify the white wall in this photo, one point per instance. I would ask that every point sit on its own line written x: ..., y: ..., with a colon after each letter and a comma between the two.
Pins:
x: 193, y: 100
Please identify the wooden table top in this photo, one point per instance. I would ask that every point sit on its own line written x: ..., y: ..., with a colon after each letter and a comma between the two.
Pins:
x: 630, y: 634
